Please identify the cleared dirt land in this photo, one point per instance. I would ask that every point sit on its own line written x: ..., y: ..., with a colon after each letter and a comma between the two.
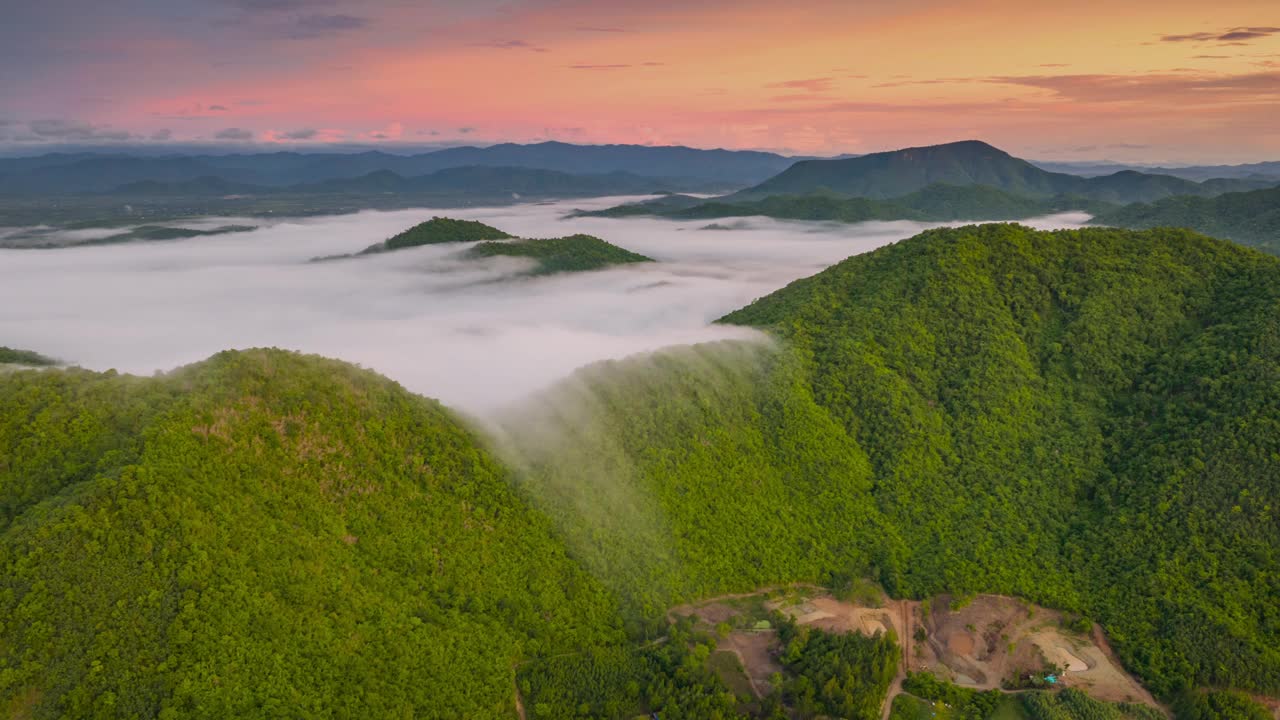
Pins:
x: 994, y: 640
x: 989, y: 642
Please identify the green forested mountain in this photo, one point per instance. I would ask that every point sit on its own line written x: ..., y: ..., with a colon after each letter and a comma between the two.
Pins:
x: 1252, y: 218
x: 266, y: 535
x: 1087, y: 419
x: 937, y: 202
x: 574, y: 253
x: 899, y: 172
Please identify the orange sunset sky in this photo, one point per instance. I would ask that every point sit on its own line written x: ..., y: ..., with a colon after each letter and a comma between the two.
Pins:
x: 1158, y: 81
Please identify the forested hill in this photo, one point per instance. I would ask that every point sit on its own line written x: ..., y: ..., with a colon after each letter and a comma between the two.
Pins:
x: 1085, y: 417
x: 1252, y: 218
x: 899, y: 172
x: 1088, y: 419
x: 266, y: 535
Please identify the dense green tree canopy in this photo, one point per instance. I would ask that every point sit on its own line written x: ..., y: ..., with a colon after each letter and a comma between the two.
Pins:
x: 1084, y: 418
x: 1252, y: 218
x: 443, y: 230
x: 266, y: 535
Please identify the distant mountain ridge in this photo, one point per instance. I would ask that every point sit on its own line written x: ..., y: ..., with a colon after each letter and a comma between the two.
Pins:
x: 972, y: 162
x: 87, y: 173
x: 936, y: 202
x: 1251, y: 218
x: 477, y: 180
x: 1267, y: 170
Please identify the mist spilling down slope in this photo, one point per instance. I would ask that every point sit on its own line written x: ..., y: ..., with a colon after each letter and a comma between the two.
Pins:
x: 1084, y: 418
x: 1087, y: 419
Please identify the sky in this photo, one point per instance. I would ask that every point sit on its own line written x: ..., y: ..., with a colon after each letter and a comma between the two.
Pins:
x: 1136, y: 81
x: 474, y: 334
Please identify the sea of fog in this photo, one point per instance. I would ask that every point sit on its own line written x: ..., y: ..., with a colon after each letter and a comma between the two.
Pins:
x: 473, y: 334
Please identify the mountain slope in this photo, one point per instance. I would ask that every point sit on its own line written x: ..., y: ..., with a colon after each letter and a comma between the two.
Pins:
x: 937, y: 202
x: 980, y: 409
x: 898, y: 172
x: 1027, y: 400
x: 1087, y: 419
x: 970, y: 162
x: 1252, y: 218
x: 265, y: 534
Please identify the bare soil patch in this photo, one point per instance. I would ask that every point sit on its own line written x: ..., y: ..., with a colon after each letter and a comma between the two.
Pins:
x: 983, y: 644
x: 758, y: 652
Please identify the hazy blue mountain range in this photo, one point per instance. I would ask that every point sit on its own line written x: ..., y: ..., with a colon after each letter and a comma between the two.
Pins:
x: 1248, y: 171
x: 87, y: 173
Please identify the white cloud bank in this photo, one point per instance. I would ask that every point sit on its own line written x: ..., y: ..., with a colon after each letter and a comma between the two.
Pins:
x: 465, y: 332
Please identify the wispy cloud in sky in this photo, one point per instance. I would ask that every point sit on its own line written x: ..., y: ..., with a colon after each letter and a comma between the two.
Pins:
x: 824, y: 76
x: 1230, y: 35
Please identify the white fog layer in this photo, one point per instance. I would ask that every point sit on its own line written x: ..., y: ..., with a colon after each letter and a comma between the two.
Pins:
x: 471, y: 333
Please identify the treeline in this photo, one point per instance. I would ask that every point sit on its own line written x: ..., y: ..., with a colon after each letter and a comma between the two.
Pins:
x: 1252, y: 218
x: 937, y: 202
x: 30, y: 358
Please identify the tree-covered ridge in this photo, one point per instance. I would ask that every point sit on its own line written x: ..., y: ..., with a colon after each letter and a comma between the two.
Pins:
x: 1252, y: 218
x: 436, y: 231
x: 31, y: 358
x: 443, y: 230
x: 575, y: 253
x: 266, y: 534
x: 1084, y: 418
x: 937, y: 202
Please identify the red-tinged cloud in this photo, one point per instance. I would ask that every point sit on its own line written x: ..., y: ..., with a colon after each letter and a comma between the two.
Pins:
x: 823, y: 76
